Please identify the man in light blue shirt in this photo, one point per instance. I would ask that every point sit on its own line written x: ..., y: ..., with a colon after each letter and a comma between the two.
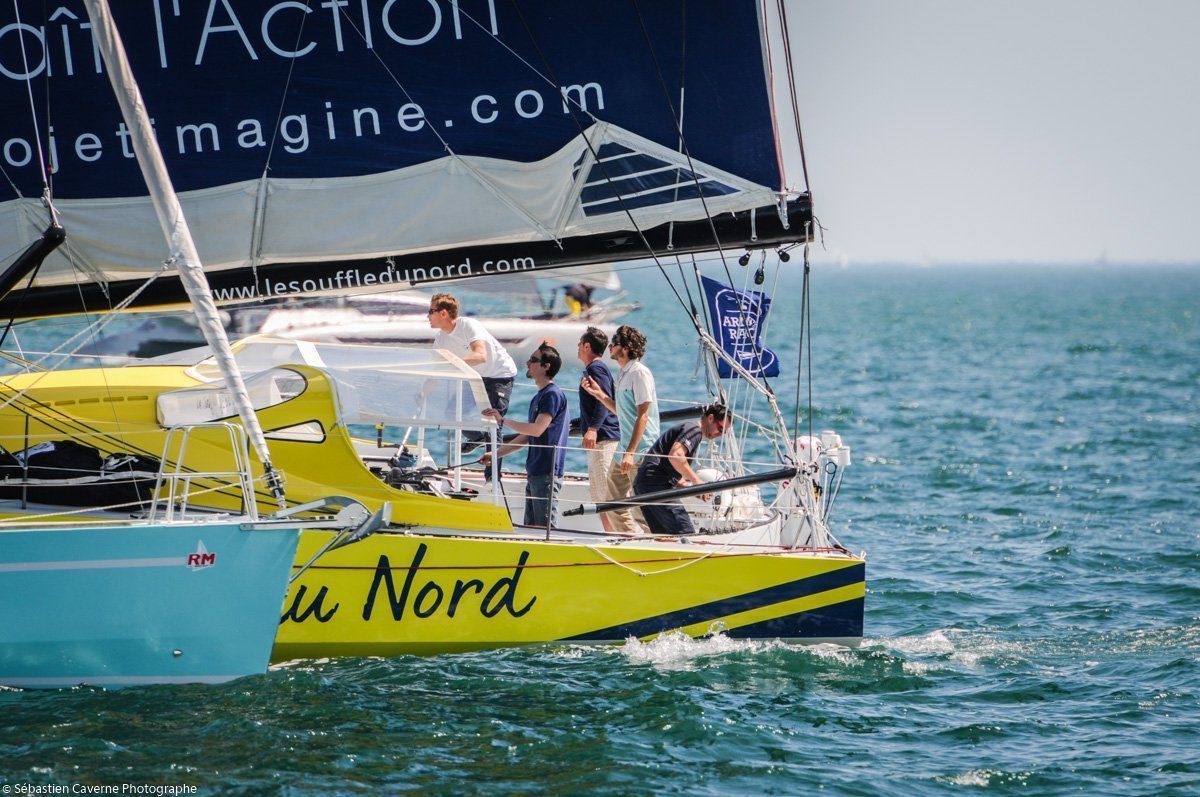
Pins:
x: 636, y: 406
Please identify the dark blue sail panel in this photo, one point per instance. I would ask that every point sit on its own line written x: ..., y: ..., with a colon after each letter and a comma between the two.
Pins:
x: 622, y: 178
x: 360, y: 87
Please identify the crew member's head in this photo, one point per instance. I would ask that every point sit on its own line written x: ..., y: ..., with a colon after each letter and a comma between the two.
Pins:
x: 632, y: 344
x: 544, y: 362
x: 594, y: 341
x: 714, y: 421
x: 443, y: 311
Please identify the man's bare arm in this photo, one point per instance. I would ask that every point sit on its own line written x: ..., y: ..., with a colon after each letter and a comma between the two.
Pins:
x: 478, y: 355
x: 639, y: 426
x: 533, y: 429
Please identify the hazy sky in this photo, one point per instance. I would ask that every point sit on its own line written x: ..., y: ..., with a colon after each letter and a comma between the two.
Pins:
x: 1031, y: 130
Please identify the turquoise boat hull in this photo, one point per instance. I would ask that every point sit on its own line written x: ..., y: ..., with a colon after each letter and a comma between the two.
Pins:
x: 140, y: 604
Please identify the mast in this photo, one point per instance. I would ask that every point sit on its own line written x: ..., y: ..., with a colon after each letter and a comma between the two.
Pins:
x: 175, y: 227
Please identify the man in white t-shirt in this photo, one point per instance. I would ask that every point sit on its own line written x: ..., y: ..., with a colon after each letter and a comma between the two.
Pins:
x: 478, y: 348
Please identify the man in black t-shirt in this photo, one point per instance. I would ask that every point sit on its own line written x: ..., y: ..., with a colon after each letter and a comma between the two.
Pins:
x: 668, y: 464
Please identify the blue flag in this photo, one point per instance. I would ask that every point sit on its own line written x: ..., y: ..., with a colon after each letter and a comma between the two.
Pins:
x: 737, y: 321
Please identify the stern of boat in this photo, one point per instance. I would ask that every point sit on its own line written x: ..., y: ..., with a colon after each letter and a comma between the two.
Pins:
x: 140, y: 604
x: 427, y: 593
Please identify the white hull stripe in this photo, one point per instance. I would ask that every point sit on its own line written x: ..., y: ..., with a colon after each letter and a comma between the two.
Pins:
x: 92, y: 564
x: 115, y: 680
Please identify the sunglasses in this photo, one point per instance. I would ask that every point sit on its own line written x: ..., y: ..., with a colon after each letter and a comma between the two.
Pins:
x: 533, y: 360
x: 432, y: 310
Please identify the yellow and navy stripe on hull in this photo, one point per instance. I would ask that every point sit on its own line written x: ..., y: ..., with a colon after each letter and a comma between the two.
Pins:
x: 399, y: 593
x: 840, y: 619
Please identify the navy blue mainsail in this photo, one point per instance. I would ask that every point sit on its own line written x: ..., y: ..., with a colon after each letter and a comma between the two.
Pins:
x: 221, y: 82
x: 349, y: 146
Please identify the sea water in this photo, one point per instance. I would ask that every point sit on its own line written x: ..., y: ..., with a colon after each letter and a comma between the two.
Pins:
x: 1026, y: 484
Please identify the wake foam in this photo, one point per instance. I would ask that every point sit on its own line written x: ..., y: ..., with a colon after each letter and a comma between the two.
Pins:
x: 676, y: 650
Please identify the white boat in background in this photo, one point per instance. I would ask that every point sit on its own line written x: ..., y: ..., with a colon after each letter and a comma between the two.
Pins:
x: 519, y: 336
x: 394, y: 318
x: 400, y: 319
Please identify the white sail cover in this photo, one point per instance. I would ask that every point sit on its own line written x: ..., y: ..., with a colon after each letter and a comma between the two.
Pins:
x: 428, y: 207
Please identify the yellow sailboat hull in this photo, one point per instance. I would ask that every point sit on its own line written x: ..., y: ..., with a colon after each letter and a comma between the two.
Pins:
x: 114, y: 411
x: 421, y: 594
x: 424, y: 590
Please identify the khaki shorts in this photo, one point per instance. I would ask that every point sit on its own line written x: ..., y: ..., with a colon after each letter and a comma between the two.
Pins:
x: 620, y: 485
x: 600, y: 462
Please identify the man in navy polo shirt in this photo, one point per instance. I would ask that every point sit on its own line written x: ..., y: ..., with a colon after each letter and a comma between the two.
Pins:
x: 546, y: 435
x: 601, y: 430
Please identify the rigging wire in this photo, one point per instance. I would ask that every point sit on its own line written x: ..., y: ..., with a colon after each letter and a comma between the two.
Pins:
x: 20, y: 350
x: 675, y: 190
x: 23, y: 407
x: 37, y: 133
x: 800, y: 348
x: 96, y: 336
x: 791, y: 75
x: 94, y: 327
x: 76, y: 427
x: 695, y: 176
x: 47, y: 189
x: 808, y: 315
x: 73, y: 424
x: 679, y: 128
x: 263, y: 195
x: 12, y: 256
x: 550, y: 78
x: 487, y: 184
x: 604, y: 169
x: 805, y: 338
x: 608, y: 178
x: 16, y: 190
x: 286, y: 88
x: 454, y: 4
x: 20, y: 302
x: 50, y: 171
x: 700, y: 285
